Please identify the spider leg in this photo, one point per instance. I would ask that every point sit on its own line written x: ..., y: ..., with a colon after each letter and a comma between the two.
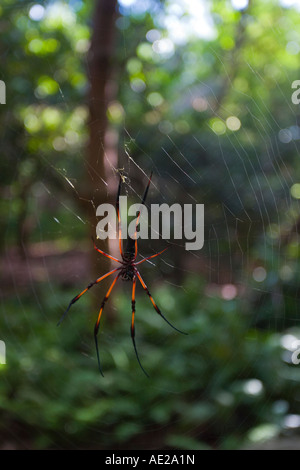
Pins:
x: 99, y: 317
x: 138, y: 216
x: 119, y: 217
x: 150, y: 257
x: 84, y: 291
x: 132, y: 326
x: 154, y: 304
x: 105, y: 254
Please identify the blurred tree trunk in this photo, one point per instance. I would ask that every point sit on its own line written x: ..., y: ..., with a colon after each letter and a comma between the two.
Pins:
x: 101, y: 92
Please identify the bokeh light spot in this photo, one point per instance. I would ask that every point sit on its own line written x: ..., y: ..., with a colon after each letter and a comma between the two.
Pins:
x: 295, y: 191
x: 259, y: 274
x: 37, y: 12
x: 233, y: 123
x: 229, y: 291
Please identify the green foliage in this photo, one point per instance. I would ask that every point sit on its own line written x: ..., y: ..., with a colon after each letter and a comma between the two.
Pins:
x: 199, y: 387
x: 43, y: 130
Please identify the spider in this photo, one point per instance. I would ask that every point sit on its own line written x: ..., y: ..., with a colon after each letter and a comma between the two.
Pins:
x: 128, y: 271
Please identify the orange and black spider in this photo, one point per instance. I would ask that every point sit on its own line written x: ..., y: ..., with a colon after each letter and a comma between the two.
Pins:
x: 127, y: 272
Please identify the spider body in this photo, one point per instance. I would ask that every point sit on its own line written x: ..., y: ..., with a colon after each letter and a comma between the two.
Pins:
x: 129, y: 252
x: 128, y: 271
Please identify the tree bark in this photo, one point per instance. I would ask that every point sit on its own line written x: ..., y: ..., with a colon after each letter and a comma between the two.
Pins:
x: 100, y: 64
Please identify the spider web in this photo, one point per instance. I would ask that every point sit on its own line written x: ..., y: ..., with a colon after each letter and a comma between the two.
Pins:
x: 244, y: 269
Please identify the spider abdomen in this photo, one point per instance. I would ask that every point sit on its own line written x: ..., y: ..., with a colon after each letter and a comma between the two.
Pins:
x: 128, y: 273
